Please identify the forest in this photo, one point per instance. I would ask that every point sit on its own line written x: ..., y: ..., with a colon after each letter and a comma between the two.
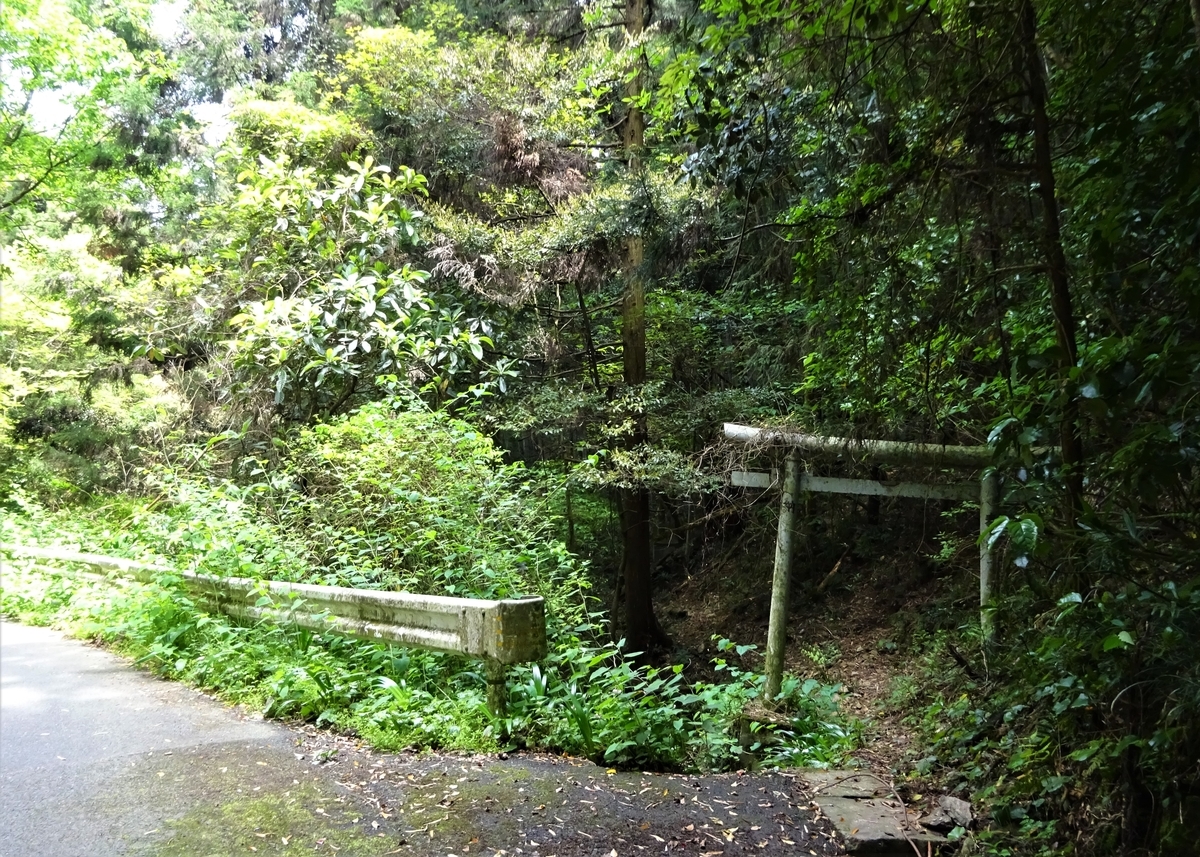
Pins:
x: 454, y: 297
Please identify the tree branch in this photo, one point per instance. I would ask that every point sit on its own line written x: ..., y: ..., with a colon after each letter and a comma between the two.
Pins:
x: 41, y: 180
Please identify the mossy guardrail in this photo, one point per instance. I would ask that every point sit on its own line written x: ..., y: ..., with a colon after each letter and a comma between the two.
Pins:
x: 498, y: 632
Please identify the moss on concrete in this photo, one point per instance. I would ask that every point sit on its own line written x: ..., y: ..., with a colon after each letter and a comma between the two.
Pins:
x: 301, y: 820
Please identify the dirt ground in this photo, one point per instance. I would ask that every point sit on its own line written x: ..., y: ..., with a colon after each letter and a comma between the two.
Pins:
x: 545, y: 806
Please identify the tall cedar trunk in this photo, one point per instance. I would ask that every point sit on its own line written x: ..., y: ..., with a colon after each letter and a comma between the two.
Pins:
x: 642, y: 631
x: 1060, y: 292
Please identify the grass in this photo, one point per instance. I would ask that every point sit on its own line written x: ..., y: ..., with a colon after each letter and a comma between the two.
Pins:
x: 585, y: 698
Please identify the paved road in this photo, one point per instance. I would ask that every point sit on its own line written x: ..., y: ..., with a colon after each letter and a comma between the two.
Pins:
x: 99, y: 759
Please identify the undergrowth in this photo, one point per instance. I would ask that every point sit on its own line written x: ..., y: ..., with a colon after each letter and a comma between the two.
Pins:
x: 1062, y: 722
x: 398, y: 501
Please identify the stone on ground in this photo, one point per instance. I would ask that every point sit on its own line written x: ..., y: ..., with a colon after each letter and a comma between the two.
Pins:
x: 868, y: 816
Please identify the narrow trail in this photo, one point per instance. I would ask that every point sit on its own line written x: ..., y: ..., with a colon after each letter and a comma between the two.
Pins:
x: 98, y: 758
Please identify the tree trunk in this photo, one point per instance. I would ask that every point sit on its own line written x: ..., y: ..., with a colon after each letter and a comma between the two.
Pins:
x: 1196, y: 20
x: 642, y: 631
x: 1060, y: 292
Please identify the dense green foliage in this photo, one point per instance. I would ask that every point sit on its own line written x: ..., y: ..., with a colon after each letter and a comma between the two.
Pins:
x: 283, y: 345
x: 403, y: 501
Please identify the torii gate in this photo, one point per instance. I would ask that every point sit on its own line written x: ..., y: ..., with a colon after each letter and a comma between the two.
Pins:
x: 887, y: 451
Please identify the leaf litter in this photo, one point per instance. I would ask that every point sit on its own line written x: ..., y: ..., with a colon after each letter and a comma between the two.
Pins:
x: 536, y: 805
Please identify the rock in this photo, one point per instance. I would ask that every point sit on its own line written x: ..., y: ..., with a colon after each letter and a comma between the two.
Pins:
x: 878, y: 827
x: 948, y: 813
x: 959, y: 810
x: 845, y: 784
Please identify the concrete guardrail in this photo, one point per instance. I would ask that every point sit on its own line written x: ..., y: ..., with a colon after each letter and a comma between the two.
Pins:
x: 500, y: 632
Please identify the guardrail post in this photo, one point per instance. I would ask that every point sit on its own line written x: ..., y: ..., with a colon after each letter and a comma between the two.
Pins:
x: 497, y: 687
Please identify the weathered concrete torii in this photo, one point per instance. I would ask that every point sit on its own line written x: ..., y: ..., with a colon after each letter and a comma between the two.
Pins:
x: 887, y: 451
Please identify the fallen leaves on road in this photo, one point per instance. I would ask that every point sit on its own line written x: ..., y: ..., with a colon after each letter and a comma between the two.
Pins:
x: 527, y: 805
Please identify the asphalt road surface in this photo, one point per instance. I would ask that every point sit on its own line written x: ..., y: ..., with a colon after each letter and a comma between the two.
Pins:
x: 98, y: 758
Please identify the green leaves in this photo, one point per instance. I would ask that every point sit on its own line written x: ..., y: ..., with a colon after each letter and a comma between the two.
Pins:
x: 1120, y: 640
x: 355, y: 319
x: 65, y: 76
x: 621, y: 714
